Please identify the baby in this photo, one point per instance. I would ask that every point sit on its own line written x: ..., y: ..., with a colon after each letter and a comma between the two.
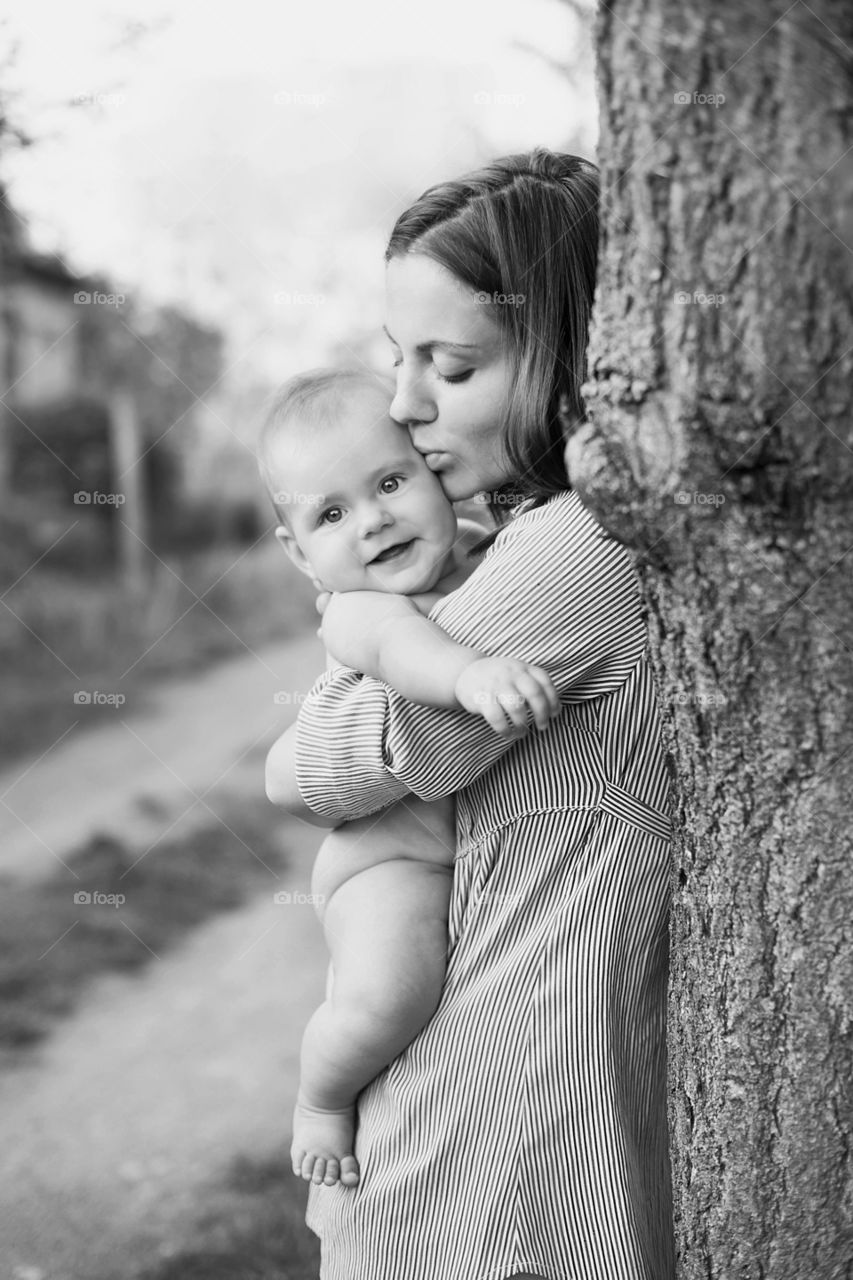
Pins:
x: 360, y: 510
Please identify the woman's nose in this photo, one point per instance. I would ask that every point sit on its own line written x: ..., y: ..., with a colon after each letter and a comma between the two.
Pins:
x: 412, y: 401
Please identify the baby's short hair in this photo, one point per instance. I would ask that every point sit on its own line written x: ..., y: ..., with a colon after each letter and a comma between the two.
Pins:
x: 314, y: 399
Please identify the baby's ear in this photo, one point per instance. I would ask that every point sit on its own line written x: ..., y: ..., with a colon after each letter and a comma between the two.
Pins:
x: 293, y: 549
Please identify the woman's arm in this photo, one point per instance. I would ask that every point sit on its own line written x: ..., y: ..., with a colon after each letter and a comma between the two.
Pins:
x: 552, y: 591
x: 281, y: 781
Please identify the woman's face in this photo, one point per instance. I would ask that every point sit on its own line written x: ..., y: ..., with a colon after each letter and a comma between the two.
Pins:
x: 453, y: 374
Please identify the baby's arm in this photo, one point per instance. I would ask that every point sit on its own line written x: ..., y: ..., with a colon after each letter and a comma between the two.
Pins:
x: 387, y: 637
x: 356, y: 627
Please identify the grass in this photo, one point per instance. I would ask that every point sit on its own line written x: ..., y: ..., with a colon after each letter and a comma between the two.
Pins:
x: 252, y: 1227
x: 52, y: 946
x: 63, y: 631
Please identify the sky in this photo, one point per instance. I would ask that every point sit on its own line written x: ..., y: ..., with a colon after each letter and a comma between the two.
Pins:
x: 246, y: 160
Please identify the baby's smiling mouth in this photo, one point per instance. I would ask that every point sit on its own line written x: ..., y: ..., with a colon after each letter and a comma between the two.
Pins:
x: 391, y: 553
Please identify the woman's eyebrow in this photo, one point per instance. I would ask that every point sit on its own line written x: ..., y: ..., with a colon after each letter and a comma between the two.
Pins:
x: 436, y: 344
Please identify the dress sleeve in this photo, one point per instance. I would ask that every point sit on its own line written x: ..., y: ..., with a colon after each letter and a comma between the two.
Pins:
x: 552, y: 590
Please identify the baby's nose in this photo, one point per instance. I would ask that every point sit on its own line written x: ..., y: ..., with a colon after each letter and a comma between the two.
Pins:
x: 374, y: 518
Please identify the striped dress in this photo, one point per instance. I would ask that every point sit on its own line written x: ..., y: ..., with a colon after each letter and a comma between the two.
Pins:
x: 524, y: 1129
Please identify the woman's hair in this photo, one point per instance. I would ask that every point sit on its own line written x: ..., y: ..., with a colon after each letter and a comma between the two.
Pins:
x: 523, y: 233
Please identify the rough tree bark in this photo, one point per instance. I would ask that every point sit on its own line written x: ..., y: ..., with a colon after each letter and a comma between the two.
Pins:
x: 720, y: 447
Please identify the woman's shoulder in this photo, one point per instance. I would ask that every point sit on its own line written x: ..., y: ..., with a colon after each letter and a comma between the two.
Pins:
x: 552, y: 508
x: 561, y: 517
x: 550, y: 557
x: 558, y: 539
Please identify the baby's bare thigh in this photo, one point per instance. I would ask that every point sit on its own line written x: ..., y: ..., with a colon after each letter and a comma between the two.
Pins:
x: 388, y: 925
x: 414, y: 830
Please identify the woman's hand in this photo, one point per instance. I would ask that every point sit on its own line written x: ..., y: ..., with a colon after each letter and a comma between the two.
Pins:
x: 281, y: 785
x: 353, y: 623
x: 503, y: 690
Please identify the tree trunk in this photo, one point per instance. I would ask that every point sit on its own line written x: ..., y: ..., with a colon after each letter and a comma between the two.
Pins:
x: 720, y: 448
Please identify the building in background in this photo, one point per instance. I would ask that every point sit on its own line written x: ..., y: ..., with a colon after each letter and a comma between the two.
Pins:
x: 110, y: 413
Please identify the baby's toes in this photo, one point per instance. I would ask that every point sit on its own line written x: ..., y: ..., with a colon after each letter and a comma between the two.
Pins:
x: 297, y: 1155
x: 349, y: 1171
x: 307, y: 1167
x: 333, y: 1171
x: 319, y: 1170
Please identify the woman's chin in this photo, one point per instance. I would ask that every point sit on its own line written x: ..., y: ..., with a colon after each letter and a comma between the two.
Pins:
x: 458, y: 487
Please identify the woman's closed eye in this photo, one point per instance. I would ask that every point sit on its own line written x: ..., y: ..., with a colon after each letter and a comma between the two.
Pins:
x: 453, y: 377
x: 443, y: 377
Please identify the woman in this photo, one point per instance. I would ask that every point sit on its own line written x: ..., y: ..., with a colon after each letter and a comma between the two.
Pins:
x: 523, y: 1132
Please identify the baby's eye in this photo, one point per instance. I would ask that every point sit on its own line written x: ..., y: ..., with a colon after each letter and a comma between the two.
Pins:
x: 332, y: 515
x: 390, y: 484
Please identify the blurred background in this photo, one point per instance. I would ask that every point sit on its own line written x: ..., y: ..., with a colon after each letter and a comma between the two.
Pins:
x: 194, y: 203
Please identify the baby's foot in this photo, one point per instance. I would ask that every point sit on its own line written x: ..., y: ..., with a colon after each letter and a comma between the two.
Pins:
x: 322, y: 1148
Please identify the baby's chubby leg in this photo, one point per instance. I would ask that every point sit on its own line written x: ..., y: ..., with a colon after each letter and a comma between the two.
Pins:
x: 387, y: 932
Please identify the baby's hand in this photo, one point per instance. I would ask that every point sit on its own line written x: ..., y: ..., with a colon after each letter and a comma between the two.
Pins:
x: 322, y: 602
x: 502, y: 689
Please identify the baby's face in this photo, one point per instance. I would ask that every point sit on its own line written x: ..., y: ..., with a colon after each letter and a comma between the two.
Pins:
x: 365, y: 511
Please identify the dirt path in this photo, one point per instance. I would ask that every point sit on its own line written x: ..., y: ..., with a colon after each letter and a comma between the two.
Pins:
x: 147, y: 771
x: 153, y: 1088
x: 159, y: 1080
